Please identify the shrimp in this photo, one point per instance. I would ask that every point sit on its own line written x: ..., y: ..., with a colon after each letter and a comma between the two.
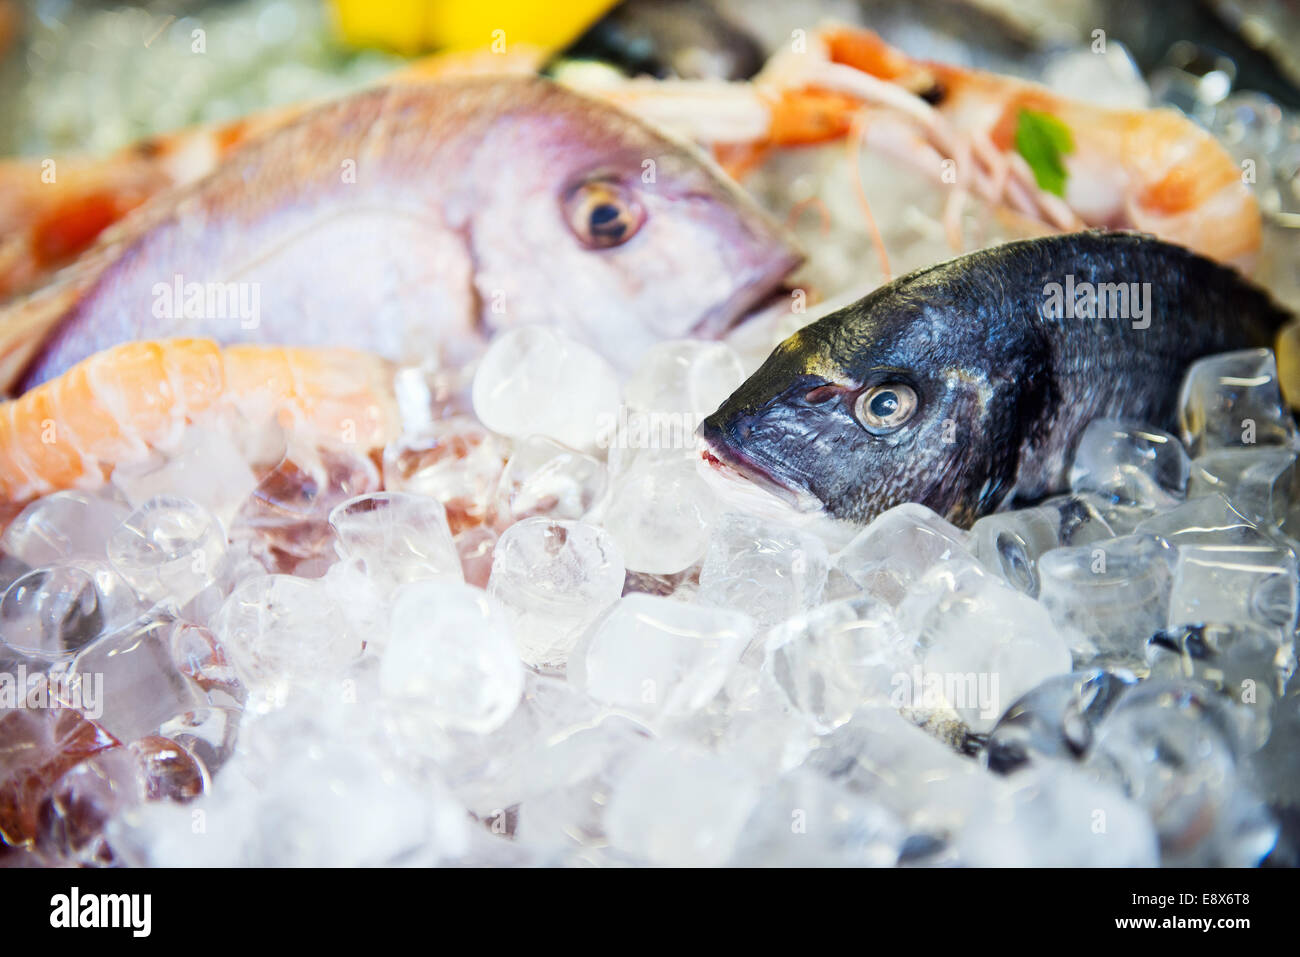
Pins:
x: 118, y: 406
x: 1149, y: 170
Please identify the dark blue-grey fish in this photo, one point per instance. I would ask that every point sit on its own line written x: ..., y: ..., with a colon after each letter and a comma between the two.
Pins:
x: 965, y: 386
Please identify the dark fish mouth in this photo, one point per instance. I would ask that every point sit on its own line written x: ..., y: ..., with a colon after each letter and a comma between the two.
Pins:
x: 730, y: 464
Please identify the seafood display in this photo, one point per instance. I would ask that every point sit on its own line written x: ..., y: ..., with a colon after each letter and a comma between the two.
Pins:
x: 679, y: 434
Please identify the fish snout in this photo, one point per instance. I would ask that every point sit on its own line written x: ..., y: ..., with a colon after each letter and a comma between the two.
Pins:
x: 760, y: 268
x: 725, y: 429
x: 724, y: 458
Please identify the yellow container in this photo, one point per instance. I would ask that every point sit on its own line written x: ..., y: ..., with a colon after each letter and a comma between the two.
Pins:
x: 416, y: 26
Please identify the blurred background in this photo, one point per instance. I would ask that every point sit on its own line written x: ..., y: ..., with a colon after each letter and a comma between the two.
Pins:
x: 86, y: 76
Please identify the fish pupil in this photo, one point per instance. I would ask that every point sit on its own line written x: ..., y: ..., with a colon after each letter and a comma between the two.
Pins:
x: 603, y: 214
x: 884, y: 405
x: 607, y: 222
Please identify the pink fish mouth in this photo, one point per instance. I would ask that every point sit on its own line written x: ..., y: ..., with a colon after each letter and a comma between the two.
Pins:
x: 765, y: 290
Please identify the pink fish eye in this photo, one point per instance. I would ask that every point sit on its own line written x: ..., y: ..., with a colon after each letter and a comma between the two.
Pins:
x: 603, y: 214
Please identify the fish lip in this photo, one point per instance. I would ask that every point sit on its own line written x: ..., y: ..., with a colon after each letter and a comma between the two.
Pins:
x: 717, y: 453
x: 764, y: 288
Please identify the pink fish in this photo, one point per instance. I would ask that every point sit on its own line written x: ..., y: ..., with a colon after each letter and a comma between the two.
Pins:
x: 412, y: 220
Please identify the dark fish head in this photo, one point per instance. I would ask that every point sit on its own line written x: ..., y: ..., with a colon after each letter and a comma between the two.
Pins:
x: 590, y: 219
x: 914, y: 394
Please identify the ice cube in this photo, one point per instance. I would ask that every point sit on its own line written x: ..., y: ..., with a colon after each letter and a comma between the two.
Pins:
x: 50, y: 613
x: 804, y: 821
x: 1173, y: 747
x: 768, y: 571
x: 759, y: 730
x: 1120, y: 518
x: 1130, y: 464
x: 1274, y: 769
x: 287, y: 514
x: 982, y: 645
x: 681, y: 585
x: 1079, y: 519
x: 80, y: 804
x: 554, y: 578
x: 476, y: 547
x: 1243, y: 662
x: 831, y: 661
x: 571, y: 776
x: 432, y: 392
x: 321, y: 803
x: 657, y: 656
x: 880, y: 756
x: 395, y: 538
x: 1058, y: 816
x: 1260, y: 483
x: 457, y: 462
x: 536, y: 380
x: 450, y: 654
x: 898, y: 547
x: 1207, y: 520
x: 659, y: 514
x: 133, y: 680
x: 65, y: 525
x: 1236, y: 584
x: 545, y: 478
x: 1251, y: 124
x: 168, y: 549
x: 209, y: 734
x: 40, y: 745
x: 119, y: 603
x: 209, y: 469
x: 168, y: 771
x: 519, y: 759
x: 680, y: 808
x: 1054, y: 720
x: 1114, y: 595
x: 684, y: 376
x: 360, y: 599
x: 1234, y: 400
x: 279, y: 628
x: 200, y: 658
x: 1010, y: 544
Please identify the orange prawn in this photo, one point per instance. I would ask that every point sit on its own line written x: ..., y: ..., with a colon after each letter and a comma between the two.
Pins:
x: 1152, y: 170
x: 120, y: 405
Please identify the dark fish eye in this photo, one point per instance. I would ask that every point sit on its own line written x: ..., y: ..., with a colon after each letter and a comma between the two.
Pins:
x: 884, y: 404
x: 602, y: 214
x: 884, y: 408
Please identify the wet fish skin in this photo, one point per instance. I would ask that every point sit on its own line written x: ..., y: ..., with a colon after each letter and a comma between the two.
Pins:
x: 1003, y: 392
x: 401, y: 219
